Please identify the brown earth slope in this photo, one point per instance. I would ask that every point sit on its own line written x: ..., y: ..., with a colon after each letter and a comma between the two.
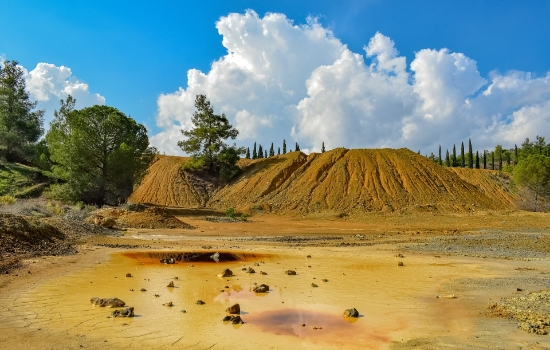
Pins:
x: 340, y: 180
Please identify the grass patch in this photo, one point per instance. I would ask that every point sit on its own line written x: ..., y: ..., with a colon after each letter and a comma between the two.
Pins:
x: 21, y: 181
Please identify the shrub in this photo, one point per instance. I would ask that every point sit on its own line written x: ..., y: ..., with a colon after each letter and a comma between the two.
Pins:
x: 230, y: 213
x: 244, y: 217
x: 7, y: 200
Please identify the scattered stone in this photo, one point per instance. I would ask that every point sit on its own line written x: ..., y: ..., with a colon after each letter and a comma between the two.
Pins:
x: 107, y: 302
x: 157, y: 295
x: 519, y: 289
x: 243, y: 269
x: 324, y: 280
x: 290, y: 272
x: 262, y: 288
x: 131, y: 289
x: 399, y: 255
x: 176, y: 278
x: 303, y: 324
x: 234, y: 309
x: 233, y: 319
x: 309, y: 256
x: 256, y: 264
x: 129, y: 275
x: 400, y: 263
x: 315, y: 328
x: 170, y: 285
x: 107, y: 223
x: 263, y: 273
x: 143, y: 290
x: 183, y: 311
x: 314, y: 285
x: 215, y: 257
x: 226, y: 273
x: 168, y: 261
x: 126, y: 312
x: 351, y: 313
x: 168, y: 304
x: 449, y: 296
x: 250, y: 270
x: 200, y: 302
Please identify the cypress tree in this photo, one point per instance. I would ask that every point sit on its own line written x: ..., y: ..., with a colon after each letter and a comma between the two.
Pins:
x: 516, y: 154
x: 418, y: 151
x: 297, y: 147
x: 477, y: 159
x: 260, y: 152
x: 454, y: 156
x: 247, y: 152
x: 462, y: 155
x: 493, y: 160
x: 323, y: 148
x: 471, y: 160
x: 447, y: 159
x: 254, y: 154
x: 271, y: 151
x: 484, y: 159
x: 278, y: 150
x: 284, y: 146
x: 266, y: 153
x: 440, y: 160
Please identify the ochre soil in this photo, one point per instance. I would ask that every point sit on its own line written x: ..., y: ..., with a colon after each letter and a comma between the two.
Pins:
x: 468, y: 325
x: 340, y: 181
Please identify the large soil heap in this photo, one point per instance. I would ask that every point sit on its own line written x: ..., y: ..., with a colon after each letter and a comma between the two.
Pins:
x: 341, y: 180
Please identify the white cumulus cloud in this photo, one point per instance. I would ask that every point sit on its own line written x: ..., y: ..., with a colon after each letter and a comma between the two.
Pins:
x: 280, y: 80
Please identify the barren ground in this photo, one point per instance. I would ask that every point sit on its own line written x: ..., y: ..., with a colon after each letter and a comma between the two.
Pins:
x: 479, y: 258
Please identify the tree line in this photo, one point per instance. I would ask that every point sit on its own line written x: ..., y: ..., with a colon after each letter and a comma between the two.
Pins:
x: 94, y: 155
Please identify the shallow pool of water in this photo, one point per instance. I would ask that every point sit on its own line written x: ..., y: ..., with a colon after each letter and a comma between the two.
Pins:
x: 393, y: 301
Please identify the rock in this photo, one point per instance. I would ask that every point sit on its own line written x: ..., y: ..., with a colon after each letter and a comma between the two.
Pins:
x: 215, y: 257
x: 309, y: 256
x: 200, y: 302
x: 233, y: 319
x: 290, y: 272
x: 256, y: 264
x: 143, y: 290
x: 351, y: 313
x: 168, y: 261
x: 183, y: 311
x: 126, y: 312
x: 314, y: 285
x: 324, y: 280
x: 234, y: 309
x: 170, y: 285
x: 176, y: 277
x: 157, y: 295
x: 262, y: 288
x: 168, y: 304
x: 263, y: 273
x: 226, y: 273
x: 250, y: 270
x: 243, y: 269
x: 129, y: 275
x: 400, y: 263
x: 107, y: 302
x: 108, y: 222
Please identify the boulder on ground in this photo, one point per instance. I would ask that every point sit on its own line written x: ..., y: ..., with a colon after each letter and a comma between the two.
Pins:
x: 126, y: 312
x: 250, y: 270
x: 400, y: 263
x: 129, y: 275
x: 200, y: 302
x: 226, y: 273
x: 233, y: 319
x: 171, y: 284
x: 107, y: 302
x: 351, y: 313
x: 168, y: 304
x: 263, y: 288
x: 234, y: 309
x: 290, y: 272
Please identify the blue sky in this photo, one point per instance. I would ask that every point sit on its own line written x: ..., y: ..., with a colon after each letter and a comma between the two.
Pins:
x: 132, y: 52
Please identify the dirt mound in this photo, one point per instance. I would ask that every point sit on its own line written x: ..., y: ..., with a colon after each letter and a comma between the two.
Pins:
x: 151, y: 217
x: 22, y: 237
x: 167, y: 184
x: 340, y: 181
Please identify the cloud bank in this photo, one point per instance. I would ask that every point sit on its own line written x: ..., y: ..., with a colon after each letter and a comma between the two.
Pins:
x: 300, y: 83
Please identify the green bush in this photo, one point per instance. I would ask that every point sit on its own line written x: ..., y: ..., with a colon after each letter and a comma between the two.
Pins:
x: 244, y: 217
x: 7, y: 200
x: 230, y: 213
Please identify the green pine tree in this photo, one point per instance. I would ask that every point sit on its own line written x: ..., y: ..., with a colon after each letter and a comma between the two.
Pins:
x: 440, y: 160
x: 447, y: 159
x: 493, y: 160
x: 297, y: 147
x: 462, y: 155
x: 454, y: 156
x: 323, y: 148
x: 254, y: 153
x: 271, y: 151
x: 260, y: 152
x: 247, y: 152
x: 470, y: 154
x: 278, y: 150
x: 477, y: 159
x: 484, y: 159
